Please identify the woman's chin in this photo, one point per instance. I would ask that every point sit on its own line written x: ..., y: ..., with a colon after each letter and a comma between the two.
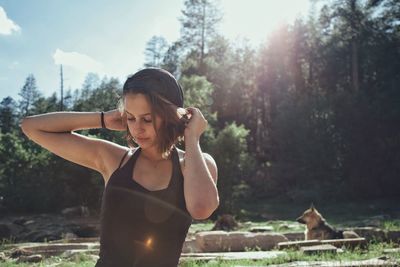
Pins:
x: 145, y: 144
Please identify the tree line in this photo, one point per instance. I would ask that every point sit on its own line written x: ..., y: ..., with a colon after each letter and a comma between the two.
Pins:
x: 313, y: 114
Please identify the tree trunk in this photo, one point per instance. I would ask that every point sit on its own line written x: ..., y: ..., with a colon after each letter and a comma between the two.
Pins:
x: 354, y: 47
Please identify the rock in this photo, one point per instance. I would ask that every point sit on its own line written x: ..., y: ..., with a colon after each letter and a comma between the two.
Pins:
x: 225, y: 222
x: 86, y: 230
x: 5, y: 231
x: 69, y: 236
x: 190, y: 246
x: 48, y: 250
x: 214, y: 241
x: 370, y: 233
x: 310, y: 250
x: 261, y: 229
x: 31, y: 258
x: 393, y: 236
x: 350, y: 234
x: 268, y: 241
x: 20, y: 221
x: 210, y: 241
x: 2, y: 257
x: 295, y: 236
x: 41, y: 227
x: 376, y: 221
x: 78, y: 252
x: 79, y: 211
x: 77, y: 240
x: 218, y: 256
x: 341, y: 263
x: 286, y: 226
x: 18, y: 252
x: 391, y: 251
x: 42, y: 236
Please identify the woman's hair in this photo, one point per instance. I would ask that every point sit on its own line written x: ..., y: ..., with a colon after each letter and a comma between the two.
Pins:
x: 148, y: 82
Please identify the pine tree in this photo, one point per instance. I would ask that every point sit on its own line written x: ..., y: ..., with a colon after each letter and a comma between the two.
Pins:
x: 29, y: 94
x: 7, y: 114
x: 199, y: 25
x: 156, y: 49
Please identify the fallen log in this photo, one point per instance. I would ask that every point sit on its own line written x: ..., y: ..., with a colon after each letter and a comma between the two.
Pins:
x: 348, y: 242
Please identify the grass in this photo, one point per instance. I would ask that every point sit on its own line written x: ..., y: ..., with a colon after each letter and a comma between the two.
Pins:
x: 392, y: 225
x: 340, y: 214
x: 264, y: 213
x: 374, y: 250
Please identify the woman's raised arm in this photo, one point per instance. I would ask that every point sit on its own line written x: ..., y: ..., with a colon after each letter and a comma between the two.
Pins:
x: 54, y: 132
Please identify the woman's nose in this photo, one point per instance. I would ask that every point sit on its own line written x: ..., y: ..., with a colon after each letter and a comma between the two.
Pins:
x: 138, y: 127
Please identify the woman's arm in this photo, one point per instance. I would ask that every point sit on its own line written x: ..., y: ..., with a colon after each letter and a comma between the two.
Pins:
x: 200, y: 171
x: 54, y: 131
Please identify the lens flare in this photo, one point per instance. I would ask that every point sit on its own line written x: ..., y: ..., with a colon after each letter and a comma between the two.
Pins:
x: 149, y: 242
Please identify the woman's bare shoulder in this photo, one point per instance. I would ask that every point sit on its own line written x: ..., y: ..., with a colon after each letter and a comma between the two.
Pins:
x: 113, y: 156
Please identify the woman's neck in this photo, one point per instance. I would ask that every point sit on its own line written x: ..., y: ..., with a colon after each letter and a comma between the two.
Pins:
x: 152, y: 154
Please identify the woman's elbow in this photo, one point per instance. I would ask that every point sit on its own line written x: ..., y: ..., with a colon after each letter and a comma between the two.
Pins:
x: 203, y: 211
x: 24, y: 125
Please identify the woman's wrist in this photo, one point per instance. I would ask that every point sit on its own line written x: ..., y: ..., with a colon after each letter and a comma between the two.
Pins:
x: 192, y: 140
x: 102, y: 122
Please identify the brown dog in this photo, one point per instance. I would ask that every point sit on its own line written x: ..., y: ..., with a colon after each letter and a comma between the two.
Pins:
x: 318, y: 228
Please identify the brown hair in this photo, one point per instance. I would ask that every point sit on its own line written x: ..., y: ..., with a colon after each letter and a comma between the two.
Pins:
x: 165, y: 95
x: 172, y: 125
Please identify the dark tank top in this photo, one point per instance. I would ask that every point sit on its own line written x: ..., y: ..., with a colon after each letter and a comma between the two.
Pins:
x: 141, y: 227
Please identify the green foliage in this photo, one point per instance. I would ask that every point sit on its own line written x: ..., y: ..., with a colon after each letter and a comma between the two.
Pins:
x: 8, y: 110
x: 29, y: 94
x: 318, y: 107
x: 199, y: 22
x: 234, y: 165
x: 197, y: 93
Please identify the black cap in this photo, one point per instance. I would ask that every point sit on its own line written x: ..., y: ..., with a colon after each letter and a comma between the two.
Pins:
x: 156, y: 80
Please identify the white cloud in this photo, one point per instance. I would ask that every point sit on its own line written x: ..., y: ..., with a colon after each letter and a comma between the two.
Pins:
x: 78, y: 61
x: 7, y: 26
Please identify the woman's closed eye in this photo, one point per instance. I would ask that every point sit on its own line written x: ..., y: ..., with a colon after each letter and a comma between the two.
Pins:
x: 144, y: 119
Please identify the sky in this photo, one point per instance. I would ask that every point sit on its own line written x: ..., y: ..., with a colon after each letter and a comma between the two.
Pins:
x: 109, y: 39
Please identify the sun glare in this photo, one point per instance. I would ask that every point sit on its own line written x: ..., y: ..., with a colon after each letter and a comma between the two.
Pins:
x: 255, y: 19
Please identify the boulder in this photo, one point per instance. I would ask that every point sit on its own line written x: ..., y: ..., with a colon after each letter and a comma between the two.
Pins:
x: 18, y: 252
x: 78, y: 211
x: 310, y: 250
x: 370, y: 233
x: 294, y: 236
x: 5, y: 231
x: 261, y: 229
x: 86, y: 230
x: 210, y: 241
x: 376, y: 221
x: 31, y: 258
x: 393, y: 236
x: 42, y: 235
x: 2, y: 257
x: 214, y: 241
x: 190, y: 246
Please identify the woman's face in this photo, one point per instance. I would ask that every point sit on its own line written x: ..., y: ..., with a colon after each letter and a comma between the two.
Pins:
x: 139, y: 120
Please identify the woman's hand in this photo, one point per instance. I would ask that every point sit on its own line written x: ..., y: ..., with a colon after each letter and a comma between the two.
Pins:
x: 197, y: 124
x: 115, y: 120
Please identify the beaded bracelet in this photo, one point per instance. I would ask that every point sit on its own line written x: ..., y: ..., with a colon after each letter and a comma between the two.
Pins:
x: 103, y: 125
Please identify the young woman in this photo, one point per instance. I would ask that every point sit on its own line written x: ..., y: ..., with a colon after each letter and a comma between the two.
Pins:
x: 152, y: 191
